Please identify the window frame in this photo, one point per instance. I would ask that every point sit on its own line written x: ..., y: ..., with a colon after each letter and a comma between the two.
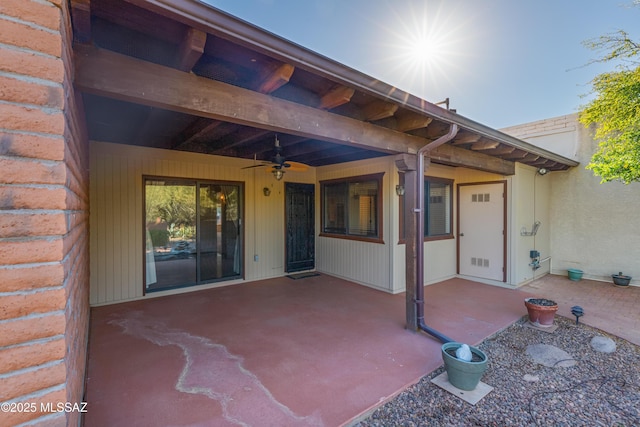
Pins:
x: 379, y: 206
x: 197, y: 182
x: 401, y: 210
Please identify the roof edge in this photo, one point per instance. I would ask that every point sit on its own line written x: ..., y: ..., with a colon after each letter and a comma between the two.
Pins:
x: 206, y: 17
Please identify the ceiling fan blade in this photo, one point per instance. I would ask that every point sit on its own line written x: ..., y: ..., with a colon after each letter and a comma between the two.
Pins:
x: 296, y: 167
x: 289, y: 167
x: 257, y: 166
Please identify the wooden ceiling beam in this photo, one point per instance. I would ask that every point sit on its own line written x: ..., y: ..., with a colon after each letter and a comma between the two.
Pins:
x: 81, y: 20
x: 137, y: 18
x: 484, y: 145
x: 189, y: 52
x: 541, y: 161
x: 305, y: 148
x: 501, y: 150
x: 529, y: 158
x: 199, y: 128
x: 466, y: 138
x: 378, y: 111
x: 411, y: 121
x: 243, y: 136
x: 106, y: 73
x: 455, y: 156
x: 337, y: 96
x: 272, y: 80
x: 343, y: 158
x: 327, y: 153
x: 191, y: 49
x: 516, y: 154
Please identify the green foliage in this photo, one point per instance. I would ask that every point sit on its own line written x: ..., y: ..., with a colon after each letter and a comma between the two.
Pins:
x: 615, y: 110
x: 159, y: 238
x: 173, y: 204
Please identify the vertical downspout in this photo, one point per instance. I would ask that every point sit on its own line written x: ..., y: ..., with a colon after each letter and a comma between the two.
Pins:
x: 453, y: 130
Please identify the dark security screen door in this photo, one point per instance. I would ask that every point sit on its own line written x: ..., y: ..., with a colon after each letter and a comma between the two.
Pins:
x: 299, y: 226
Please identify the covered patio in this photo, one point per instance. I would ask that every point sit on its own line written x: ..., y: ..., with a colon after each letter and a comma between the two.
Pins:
x: 314, y: 351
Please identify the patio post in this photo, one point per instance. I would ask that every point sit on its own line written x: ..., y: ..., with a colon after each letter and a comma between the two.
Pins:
x: 406, y: 163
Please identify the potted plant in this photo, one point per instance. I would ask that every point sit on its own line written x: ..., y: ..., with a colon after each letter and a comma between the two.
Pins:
x: 541, y: 311
x: 575, y: 274
x: 463, y: 374
x: 620, y: 279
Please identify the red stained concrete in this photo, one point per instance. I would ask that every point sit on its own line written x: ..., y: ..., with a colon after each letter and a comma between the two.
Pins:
x: 613, y: 309
x: 317, y: 351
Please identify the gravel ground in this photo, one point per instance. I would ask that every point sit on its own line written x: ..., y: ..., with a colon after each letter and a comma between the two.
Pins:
x: 601, y: 389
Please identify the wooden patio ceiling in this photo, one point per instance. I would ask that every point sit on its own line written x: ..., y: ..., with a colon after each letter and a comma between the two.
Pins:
x: 178, y: 74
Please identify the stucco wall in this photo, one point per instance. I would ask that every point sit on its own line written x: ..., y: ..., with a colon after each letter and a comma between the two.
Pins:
x: 594, y: 226
x: 530, y: 203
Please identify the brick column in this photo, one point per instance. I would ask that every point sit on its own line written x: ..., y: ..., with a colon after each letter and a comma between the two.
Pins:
x: 44, y: 258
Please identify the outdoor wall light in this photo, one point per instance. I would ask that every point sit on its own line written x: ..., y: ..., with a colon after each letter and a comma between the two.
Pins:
x: 278, y: 173
x: 266, y: 191
x: 400, y: 190
x: 543, y: 171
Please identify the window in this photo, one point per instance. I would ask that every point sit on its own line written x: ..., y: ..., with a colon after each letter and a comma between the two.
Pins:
x: 352, y: 207
x: 438, y: 216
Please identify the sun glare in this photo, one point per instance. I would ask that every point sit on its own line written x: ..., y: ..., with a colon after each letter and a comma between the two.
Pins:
x: 425, y: 48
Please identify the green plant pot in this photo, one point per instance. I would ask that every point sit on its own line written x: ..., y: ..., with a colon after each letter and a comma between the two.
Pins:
x: 464, y: 375
x: 574, y: 274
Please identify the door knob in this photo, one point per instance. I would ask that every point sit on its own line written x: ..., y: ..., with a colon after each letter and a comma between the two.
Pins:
x: 461, y: 234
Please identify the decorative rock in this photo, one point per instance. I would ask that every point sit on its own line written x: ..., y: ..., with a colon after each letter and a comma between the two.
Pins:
x: 464, y: 353
x: 603, y: 344
x: 550, y: 356
x: 531, y: 378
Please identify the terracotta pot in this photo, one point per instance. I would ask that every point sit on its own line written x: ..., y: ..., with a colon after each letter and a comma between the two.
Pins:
x: 541, y: 311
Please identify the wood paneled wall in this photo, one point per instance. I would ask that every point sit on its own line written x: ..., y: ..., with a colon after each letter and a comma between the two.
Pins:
x: 117, y: 218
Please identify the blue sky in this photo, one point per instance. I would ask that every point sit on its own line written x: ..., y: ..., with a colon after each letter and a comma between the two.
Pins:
x: 501, y: 62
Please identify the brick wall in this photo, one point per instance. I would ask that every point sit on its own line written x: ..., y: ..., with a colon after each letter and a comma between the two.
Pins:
x: 553, y: 125
x: 44, y: 261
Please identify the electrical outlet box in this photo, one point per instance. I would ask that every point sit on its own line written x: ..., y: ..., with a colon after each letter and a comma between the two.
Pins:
x: 534, y: 254
x: 255, y: 258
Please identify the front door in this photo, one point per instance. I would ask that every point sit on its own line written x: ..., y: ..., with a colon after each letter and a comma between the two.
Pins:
x: 481, y: 230
x: 299, y: 227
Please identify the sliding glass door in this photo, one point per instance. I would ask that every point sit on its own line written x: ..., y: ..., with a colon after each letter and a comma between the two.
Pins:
x: 193, y: 232
x: 219, y: 232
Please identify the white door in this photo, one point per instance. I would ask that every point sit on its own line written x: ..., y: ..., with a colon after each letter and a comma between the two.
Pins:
x: 481, y: 238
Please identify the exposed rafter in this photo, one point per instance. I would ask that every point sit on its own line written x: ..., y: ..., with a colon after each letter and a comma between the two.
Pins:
x: 117, y: 76
x: 484, y: 145
x: 335, y: 97
x: 272, y: 80
x: 412, y: 121
x: 191, y: 49
x: 81, y: 20
x: 378, y: 110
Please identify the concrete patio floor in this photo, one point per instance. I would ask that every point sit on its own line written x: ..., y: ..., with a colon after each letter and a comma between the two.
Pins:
x: 613, y: 309
x: 318, y: 351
